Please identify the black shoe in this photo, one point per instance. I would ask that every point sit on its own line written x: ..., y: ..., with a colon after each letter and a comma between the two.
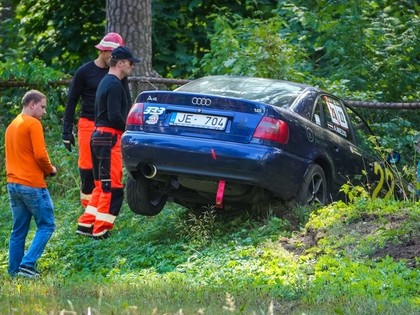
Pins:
x: 28, y: 272
x: 84, y: 231
x: 102, y: 236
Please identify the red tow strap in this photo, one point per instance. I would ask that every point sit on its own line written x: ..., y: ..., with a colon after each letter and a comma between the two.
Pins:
x: 220, y: 194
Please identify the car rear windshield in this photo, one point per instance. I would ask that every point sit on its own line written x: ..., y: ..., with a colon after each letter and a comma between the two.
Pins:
x: 268, y: 91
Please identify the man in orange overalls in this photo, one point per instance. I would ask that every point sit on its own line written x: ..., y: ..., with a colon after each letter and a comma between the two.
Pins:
x: 84, y: 85
x: 111, y: 110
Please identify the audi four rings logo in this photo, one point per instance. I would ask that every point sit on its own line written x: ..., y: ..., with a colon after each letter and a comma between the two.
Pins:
x: 201, y: 101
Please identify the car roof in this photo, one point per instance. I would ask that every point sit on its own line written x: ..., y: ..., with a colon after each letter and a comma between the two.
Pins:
x: 269, y: 91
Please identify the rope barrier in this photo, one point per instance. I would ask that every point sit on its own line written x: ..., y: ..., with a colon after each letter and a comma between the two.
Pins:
x: 384, y: 105
x: 158, y: 80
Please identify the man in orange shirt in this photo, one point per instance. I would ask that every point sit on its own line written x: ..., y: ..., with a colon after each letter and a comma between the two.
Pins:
x: 27, y: 166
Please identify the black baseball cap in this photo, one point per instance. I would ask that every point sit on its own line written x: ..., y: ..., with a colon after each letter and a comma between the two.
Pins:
x: 121, y: 53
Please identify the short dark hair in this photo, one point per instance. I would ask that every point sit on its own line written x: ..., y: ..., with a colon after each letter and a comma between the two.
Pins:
x: 113, y: 62
x: 32, y: 95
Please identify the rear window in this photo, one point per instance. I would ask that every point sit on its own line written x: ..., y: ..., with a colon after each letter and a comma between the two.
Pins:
x: 268, y: 91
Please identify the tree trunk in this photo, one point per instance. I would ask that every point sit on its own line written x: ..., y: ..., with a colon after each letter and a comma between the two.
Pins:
x: 6, y: 10
x: 132, y: 19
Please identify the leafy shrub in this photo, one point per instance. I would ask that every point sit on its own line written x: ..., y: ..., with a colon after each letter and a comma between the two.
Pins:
x: 252, y: 47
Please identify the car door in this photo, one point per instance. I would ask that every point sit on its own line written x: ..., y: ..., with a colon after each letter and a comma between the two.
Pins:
x: 379, y: 175
x: 337, y: 141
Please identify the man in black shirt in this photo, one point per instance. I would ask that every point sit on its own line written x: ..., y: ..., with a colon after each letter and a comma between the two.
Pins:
x: 111, y: 110
x: 83, y: 87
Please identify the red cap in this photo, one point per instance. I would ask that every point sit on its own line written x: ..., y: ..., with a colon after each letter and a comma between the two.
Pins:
x: 110, y: 41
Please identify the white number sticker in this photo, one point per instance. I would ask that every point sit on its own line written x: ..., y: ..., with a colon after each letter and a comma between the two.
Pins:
x: 154, y: 110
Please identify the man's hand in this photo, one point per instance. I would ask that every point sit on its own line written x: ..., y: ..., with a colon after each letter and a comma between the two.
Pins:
x: 68, y: 141
x: 54, y: 172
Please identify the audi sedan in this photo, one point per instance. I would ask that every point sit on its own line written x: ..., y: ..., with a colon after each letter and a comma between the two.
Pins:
x: 233, y: 142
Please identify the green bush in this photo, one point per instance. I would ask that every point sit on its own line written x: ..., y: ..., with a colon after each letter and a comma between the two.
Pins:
x: 254, y: 48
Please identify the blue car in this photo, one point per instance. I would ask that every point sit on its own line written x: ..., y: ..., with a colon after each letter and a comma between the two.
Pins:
x: 233, y: 142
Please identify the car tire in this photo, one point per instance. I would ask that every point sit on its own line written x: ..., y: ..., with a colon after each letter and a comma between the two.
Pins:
x: 143, y: 198
x: 314, y: 189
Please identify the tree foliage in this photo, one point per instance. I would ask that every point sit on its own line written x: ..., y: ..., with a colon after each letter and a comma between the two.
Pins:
x: 369, y: 46
x: 253, y: 47
x: 372, y: 44
x: 61, y: 33
x: 181, y: 28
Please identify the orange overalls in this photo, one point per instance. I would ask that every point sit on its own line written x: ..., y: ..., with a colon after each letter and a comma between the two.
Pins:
x: 108, y: 194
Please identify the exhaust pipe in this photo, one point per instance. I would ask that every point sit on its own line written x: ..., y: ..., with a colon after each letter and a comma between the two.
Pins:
x: 149, y: 170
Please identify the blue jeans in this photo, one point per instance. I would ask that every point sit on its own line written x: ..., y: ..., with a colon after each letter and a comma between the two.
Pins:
x: 27, y: 202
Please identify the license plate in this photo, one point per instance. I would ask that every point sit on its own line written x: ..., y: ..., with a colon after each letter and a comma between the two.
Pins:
x: 198, y: 121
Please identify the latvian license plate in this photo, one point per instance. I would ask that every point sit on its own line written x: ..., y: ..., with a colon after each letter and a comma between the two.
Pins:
x: 198, y: 121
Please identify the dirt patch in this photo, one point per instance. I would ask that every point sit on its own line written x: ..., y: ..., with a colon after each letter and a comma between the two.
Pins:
x: 407, y: 248
x: 408, y: 251
x: 300, y: 243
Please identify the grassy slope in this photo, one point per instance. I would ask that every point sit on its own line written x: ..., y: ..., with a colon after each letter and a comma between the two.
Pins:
x: 217, y: 264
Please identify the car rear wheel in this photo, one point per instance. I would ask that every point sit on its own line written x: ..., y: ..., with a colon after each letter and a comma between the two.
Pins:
x: 314, y: 188
x: 144, y: 197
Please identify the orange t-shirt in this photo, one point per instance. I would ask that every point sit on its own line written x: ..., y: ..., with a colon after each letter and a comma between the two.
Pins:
x: 27, y: 160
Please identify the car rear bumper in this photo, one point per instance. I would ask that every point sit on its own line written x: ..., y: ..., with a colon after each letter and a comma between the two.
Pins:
x: 252, y: 164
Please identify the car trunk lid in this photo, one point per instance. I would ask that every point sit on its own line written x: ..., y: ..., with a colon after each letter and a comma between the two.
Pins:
x: 196, y: 115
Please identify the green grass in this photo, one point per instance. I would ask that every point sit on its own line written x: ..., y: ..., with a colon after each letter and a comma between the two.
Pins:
x: 244, y: 264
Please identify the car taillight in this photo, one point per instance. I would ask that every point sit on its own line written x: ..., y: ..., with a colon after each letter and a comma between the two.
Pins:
x: 135, y: 116
x: 272, y: 129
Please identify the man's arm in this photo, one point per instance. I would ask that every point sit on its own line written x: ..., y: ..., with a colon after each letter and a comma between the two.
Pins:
x: 74, y: 94
x: 40, y: 148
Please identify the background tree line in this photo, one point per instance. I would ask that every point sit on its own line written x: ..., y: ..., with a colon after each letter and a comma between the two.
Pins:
x: 368, y: 46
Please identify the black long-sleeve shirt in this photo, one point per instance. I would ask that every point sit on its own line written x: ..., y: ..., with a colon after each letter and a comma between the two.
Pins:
x: 112, y: 103
x: 84, y: 85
